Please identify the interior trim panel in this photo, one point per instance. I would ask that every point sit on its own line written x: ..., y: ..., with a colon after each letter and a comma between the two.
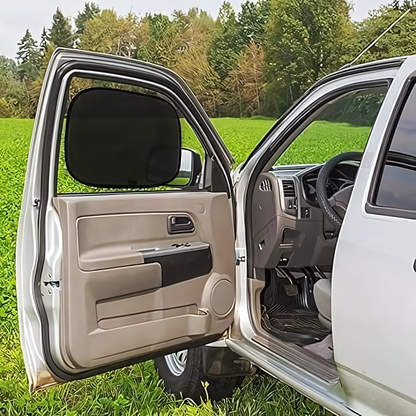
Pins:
x: 182, y: 262
x: 129, y: 287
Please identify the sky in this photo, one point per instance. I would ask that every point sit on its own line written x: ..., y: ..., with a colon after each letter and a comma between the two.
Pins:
x: 18, y: 15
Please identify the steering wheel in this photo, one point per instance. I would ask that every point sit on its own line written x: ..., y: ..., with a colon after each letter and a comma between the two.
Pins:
x: 334, y: 208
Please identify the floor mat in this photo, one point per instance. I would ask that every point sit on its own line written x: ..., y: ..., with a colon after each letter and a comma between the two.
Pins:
x: 300, y: 326
x: 289, y: 310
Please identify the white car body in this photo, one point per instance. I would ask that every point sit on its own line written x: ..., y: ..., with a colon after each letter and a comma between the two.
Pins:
x: 373, y: 305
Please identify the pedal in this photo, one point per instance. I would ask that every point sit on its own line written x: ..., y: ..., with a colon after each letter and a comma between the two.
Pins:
x: 291, y: 290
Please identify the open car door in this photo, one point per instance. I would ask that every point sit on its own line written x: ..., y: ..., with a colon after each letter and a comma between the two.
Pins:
x: 127, y: 266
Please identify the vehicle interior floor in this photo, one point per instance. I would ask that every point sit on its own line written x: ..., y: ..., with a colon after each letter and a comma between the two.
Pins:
x: 289, y: 312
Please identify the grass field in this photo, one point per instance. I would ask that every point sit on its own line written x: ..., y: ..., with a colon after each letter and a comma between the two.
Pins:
x: 136, y: 390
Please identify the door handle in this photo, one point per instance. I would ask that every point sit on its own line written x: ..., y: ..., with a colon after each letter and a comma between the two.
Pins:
x: 180, y: 224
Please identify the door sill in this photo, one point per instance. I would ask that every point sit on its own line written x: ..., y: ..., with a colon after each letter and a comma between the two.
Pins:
x: 328, y: 394
x: 304, y: 359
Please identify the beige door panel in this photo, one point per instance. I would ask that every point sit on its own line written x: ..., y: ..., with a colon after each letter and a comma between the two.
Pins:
x: 106, y: 319
x: 119, y: 299
x: 112, y: 240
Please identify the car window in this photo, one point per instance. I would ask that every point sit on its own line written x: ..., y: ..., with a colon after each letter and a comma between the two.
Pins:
x: 88, y: 141
x: 341, y: 125
x: 398, y: 176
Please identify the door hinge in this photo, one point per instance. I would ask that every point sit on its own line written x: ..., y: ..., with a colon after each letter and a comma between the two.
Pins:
x: 240, y: 256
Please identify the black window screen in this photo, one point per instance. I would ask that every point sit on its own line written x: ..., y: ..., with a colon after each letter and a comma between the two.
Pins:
x: 397, y: 187
x: 122, y: 139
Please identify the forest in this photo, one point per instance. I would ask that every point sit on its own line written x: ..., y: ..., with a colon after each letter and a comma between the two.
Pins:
x: 254, y: 62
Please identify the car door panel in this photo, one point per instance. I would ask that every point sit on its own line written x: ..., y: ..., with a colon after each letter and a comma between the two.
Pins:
x: 109, y: 279
x: 373, y: 300
x: 128, y: 286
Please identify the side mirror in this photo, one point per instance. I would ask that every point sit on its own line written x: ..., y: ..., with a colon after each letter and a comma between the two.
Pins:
x: 190, y: 169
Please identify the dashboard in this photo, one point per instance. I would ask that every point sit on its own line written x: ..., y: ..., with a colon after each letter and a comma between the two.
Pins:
x: 289, y: 228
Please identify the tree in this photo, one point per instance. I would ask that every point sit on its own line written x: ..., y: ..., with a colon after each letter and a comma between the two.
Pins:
x: 184, y: 20
x: 288, y: 43
x: 252, y: 20
x: 28, y: 58
x: 247, y: 80
x: 8, y: 67
x: 192, y: 62
x: 35, y: 87
x: 43, y: 41
x: 109, y: 33
x: 305, y: 40
x: 227, y: 43
x: 90, y: 11
x: 61, y: 31
x: 12, y: 90
x: 163, y: 42
x: 399, y: 41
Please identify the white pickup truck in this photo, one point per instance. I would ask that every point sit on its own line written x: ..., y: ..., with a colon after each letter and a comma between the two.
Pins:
x: 304, y: 271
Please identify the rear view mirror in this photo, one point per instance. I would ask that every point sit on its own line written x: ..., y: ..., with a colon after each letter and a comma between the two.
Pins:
x: 190, y: 169
x: 122, y: 139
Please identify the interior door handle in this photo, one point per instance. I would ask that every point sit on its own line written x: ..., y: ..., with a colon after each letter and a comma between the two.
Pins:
x: 180, y: 224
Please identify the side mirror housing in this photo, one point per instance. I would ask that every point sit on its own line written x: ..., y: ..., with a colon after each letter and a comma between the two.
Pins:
x: 189, y: 171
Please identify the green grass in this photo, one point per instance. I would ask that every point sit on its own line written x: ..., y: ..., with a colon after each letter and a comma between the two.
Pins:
x: 323, y: 140
x: 136, y: 389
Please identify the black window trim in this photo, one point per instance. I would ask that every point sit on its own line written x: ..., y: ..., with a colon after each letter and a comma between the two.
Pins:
x: 370, y: 205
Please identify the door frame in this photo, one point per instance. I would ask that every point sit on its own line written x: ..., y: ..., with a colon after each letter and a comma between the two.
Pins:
x: 374, y: 386
x: 39, y: 188
x: 243, y: 330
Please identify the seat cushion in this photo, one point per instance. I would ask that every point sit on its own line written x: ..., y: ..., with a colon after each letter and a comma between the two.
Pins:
x: 322, y: 295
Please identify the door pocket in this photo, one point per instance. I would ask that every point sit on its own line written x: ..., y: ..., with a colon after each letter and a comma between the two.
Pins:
x: 111, y: 314
x: 181, y: 262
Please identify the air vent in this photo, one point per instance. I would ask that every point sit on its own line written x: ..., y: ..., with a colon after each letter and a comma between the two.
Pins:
x: 266, y: 185
x: 288, y: 189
